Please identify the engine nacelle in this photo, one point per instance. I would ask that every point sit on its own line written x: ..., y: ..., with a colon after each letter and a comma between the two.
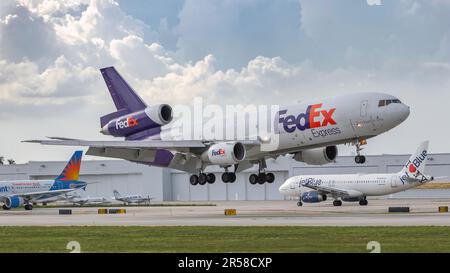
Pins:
x: 151, y: 117
x: 313, y: 197
x: 225, y: 153
x: 319, y: 156
x: 14, y: 202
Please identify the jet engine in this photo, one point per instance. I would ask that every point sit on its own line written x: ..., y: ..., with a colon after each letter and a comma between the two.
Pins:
x: 313, y: 197
x: 225, y: 153
x: 151, y: 117
x: 318, y: 156
x: 13, y: 202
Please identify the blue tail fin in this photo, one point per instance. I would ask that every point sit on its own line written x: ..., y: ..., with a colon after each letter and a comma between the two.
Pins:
x: 72, y: 169
x: 124, y: 97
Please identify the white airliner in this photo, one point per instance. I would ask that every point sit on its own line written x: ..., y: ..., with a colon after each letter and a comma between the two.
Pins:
x: 356, y: 187
x: 309, y: 131
x: 14, y: 194
x: 131, y: 199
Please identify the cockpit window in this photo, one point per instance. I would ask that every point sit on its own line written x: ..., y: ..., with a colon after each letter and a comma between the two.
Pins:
x: 387, y: 102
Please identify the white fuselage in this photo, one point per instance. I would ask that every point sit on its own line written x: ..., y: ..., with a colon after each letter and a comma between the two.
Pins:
x: 8, y: 188
x: 358, y: 185
x: 88, y: 200
x: 133, y: 199
x: 311, y: 124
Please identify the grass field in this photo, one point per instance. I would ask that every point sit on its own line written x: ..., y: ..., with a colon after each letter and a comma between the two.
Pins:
x: 225, y: 239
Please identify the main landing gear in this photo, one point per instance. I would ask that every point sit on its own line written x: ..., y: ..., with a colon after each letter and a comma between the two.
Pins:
x: 28, y: 207
x: 360, y: 159
x: 202, y: 179
x: 363, y: 202
x: 228, y: 177
x: 337, y: 203
x: 262, y: 177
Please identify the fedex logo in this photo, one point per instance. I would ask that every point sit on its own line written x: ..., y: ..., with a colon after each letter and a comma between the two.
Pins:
x: 218, y: 152
x: 127, y: 123
x: 308, y: 120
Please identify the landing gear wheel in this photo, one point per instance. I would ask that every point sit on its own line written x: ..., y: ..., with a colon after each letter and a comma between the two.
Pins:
x: 299, y: 204
x: 363, y: 202
x: 337, y: 203
x: 231, y: 177
x: 202, y: 179
x: 360, y: 159
x: 6, y: 208
x: 211, y: 178
x: 28, y: 207
x: 225, y: 178
x: 253, y: 179
x: 262, y: 178
x: 270, y: 178
x: 193, y: 179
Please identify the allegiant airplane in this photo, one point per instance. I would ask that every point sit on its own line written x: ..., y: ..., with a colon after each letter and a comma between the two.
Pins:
x: 309, y: 131
x: 14, y: 194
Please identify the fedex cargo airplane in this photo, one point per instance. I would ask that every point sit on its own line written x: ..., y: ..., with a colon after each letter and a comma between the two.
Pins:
x: 14, y: 194
x: 309, y: 131
x: 356, y: 187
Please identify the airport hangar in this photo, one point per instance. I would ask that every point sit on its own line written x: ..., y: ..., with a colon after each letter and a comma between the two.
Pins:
x: 171, y: 185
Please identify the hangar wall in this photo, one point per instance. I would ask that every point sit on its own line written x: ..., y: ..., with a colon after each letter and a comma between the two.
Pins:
x: 168, y: 185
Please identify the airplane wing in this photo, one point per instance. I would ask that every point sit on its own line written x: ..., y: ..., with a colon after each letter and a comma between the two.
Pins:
x: 137, y: 150
x: 41, y: 195
x: 333, y: 191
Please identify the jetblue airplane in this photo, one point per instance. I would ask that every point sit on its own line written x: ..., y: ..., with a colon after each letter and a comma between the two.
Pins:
x: 356, y: 187
x: 14, y: 194
x: 309, y: 131
x: 131, y: 199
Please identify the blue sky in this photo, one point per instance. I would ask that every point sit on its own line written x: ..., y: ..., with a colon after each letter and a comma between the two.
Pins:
x: 252, y: 51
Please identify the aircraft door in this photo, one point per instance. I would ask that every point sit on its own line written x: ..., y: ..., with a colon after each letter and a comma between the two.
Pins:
x: 364, y: 105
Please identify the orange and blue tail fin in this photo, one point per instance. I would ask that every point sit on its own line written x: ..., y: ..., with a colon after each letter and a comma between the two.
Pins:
x: 72, y: 169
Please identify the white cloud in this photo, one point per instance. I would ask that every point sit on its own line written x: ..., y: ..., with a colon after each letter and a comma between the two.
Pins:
x: 52, y: 66
x: 374, y: 2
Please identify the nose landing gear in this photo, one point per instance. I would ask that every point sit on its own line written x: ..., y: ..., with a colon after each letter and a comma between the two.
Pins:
x: 360, y: 159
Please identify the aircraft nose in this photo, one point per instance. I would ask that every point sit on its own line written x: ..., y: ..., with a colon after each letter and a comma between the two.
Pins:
x: 283, y: 188
x: 405, y: 112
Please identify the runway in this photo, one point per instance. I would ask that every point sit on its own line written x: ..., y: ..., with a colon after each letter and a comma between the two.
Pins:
x: 424, y: 212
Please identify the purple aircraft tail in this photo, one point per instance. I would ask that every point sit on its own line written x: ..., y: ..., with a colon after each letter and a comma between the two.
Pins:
x: 124, y: 97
